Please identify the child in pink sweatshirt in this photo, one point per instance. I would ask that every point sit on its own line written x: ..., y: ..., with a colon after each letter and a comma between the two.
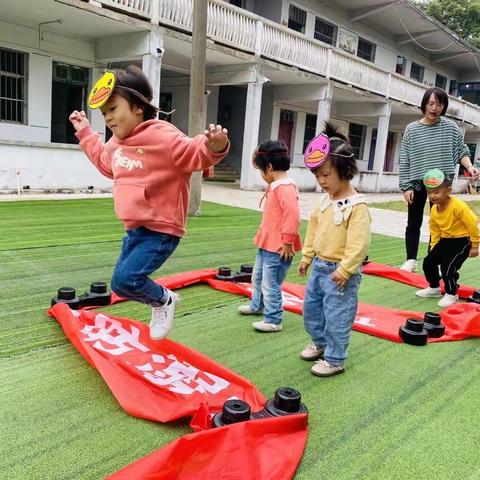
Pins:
x: 150, y: 162
x: 277, y: 238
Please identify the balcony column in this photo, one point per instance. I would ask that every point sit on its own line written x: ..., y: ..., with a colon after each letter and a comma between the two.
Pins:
x: 324, y: 107
x: 380, y: 147
x: 152, y: 63
x: 249, y: 176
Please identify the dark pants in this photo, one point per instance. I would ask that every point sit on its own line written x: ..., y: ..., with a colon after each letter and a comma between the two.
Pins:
x: 143, y: 251
x: 414, y: 223
x: 449, y: 253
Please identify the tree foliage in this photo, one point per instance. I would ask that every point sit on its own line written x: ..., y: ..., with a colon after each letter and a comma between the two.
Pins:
x: 461, y: 16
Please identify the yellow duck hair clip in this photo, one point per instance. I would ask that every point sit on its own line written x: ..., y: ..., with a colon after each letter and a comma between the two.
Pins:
x: 102, y: 90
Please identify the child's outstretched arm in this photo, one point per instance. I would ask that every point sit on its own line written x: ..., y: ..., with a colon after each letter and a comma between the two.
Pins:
x: 91, y: 143
x: 200, y: 152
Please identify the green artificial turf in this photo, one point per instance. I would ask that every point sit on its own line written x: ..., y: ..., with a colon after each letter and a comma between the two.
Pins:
x: 399, y: 412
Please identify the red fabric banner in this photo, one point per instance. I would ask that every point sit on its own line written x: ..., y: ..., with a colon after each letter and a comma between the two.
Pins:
x: 374, y: 320
x: 414, y: 279
x: 266, y: 449
x: 157, y: 380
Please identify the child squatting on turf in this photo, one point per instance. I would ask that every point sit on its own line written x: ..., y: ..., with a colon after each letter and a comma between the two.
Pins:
x: 277, y: 238
x: 336, y: 243
x: 453, y: 238
x: 150, y: 162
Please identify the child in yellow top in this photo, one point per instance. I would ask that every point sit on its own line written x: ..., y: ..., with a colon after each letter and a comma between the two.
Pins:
x: 336, y: 243
x: 453, y: 238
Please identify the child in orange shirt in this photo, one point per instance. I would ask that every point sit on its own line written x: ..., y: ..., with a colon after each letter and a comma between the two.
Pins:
x: 277, y: 238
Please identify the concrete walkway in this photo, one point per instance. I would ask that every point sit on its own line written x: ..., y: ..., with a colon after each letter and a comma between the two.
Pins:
x: 384, y: 222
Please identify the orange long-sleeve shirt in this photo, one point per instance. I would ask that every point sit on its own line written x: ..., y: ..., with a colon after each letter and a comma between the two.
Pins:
x: 281, y: 217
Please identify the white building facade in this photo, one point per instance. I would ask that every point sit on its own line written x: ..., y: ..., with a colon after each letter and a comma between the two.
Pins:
x: 275, y: 69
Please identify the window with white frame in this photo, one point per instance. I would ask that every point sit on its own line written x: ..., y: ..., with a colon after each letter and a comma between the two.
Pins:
x: 13, y: 86
x: 440, y: 81
x: 366, y: 50
x: 325, y: 32
x: 69, y: 92
x: 297, y: 19
x: 401, y: 66
x: 310, y: 128
x: 417, y: 72
x: 356, y: 135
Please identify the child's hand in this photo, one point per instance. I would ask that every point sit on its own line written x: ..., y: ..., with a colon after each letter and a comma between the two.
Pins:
x: 79, y: 120
x: 473, y: 252
x: 302, y: 269
x: 286, y: 252
x: 338, y: 279
x: 216, y: 138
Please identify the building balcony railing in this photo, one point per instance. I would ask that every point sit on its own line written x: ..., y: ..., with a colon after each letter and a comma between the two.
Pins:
x: 246, y: 31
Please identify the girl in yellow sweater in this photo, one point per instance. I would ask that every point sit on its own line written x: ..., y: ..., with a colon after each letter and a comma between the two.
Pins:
x: 336, y: 243
x: 453, y: 238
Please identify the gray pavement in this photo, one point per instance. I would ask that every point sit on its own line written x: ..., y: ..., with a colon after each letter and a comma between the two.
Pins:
x: 385, y: 222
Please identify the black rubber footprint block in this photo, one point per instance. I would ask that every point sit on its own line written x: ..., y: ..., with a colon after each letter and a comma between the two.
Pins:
x: 433, y: 324
x: 413, y: 332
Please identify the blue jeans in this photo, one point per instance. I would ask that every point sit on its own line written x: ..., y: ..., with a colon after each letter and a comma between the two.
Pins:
x: 329, y: 312
x: 143, y: 251
x: 269, y: 272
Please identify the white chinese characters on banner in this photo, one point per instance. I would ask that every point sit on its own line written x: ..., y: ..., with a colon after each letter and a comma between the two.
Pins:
x: 110, y: 336
x: 181, y: 377
x: 364, y: 321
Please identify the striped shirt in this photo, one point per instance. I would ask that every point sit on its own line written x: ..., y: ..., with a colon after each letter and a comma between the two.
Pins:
x: 424, y: 147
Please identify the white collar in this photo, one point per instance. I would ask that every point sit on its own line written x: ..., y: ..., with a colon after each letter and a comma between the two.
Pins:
x: 281, y: 181
x: 340, y: 204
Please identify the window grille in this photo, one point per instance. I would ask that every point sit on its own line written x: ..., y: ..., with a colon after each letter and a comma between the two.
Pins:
x: 366, y: 50
x: 441, y: 81
x: 357, y: 134
x: 297, y: 19
x: 325, y: 32
x: 416, y: 72
x: 13, y: 86
x: 310, y: 127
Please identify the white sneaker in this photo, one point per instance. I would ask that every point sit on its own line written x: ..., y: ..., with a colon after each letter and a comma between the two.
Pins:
x: 312, y: 352
x: 409, y: 266
x: 263, y: 326
x: 429, y: 292
x: 247, y: 310
x: 162, y: 317
x: 324, y: 369
x: 448, y: 300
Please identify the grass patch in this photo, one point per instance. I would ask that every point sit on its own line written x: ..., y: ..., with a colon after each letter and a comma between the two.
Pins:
x: 401, y: 206
x: 399, y: 412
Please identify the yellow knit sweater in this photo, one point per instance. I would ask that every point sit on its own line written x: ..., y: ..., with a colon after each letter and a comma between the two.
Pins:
x: 338, y: 234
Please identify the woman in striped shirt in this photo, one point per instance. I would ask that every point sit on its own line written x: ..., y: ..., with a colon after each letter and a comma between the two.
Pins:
x: 431, y: 142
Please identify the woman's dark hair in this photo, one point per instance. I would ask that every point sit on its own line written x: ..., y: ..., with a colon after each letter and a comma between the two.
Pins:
x: 273, y: 152
x: 341, y: 153
x: 439, y: 94
x: 133, y: 78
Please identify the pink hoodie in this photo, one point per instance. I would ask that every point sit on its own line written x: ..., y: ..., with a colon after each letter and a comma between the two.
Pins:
x: 151, y: 171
